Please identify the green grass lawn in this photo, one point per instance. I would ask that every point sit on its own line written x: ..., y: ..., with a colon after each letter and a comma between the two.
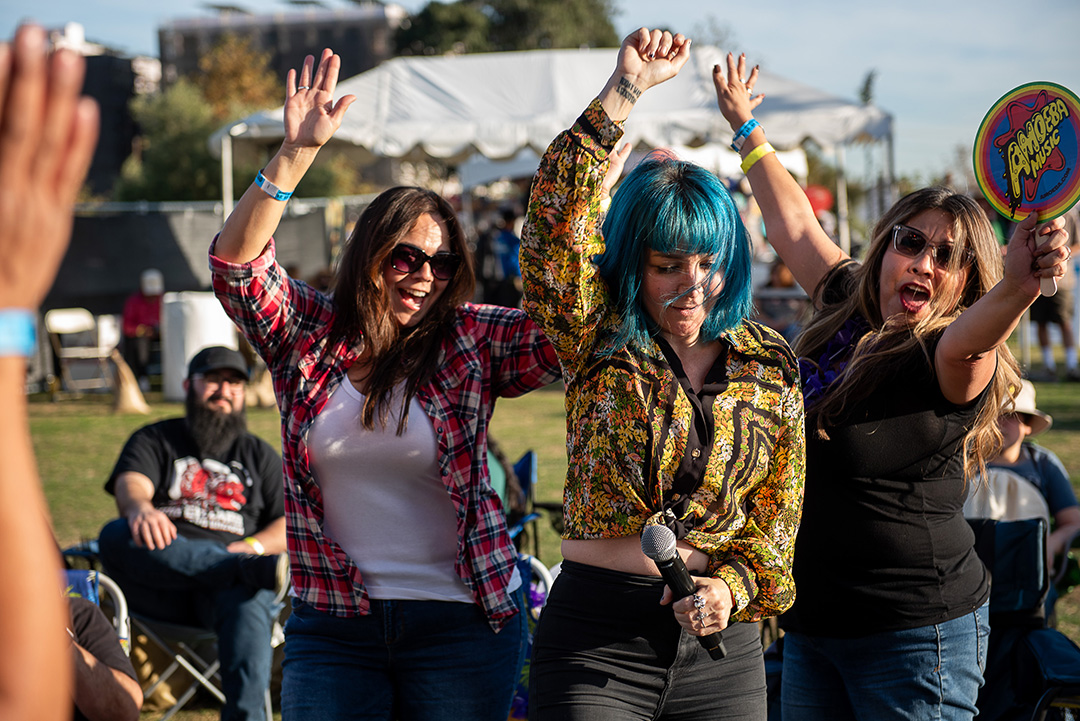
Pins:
x: 77, y: 443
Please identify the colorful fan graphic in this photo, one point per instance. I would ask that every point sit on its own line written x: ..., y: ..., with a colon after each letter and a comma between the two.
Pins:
x: 1027, y: 151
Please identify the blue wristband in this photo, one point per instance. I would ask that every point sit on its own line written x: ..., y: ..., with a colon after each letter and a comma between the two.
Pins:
x: 743, y: 133
x: 270, y: 189
x: 17, y: 332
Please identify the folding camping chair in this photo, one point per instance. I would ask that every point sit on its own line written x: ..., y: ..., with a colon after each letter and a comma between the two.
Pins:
x: 98, y: 588
x: 1032, y: 671
x: 73, y: 333
x: 184, y: 646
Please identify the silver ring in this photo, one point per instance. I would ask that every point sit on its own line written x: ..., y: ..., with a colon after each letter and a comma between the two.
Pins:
x: 699, y: 602
x: 1069, y: 251
x: 701, y: 616
x: 303, y: 87
x: 749, y: 91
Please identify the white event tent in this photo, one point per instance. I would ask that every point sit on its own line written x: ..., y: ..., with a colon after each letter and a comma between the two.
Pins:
x: 497, y: 104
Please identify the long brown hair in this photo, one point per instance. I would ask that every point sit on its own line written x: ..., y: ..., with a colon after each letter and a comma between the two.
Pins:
x: 883, y: 350
x: 362, y: 301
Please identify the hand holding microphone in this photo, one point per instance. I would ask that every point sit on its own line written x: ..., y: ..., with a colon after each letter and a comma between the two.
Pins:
x: 658, y: 543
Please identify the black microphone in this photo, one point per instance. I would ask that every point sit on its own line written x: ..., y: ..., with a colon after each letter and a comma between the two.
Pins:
x: 658, y: 543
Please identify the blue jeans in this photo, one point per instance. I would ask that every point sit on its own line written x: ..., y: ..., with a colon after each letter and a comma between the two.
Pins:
x: 194, y: 582
x: 406, y: 660
x: 931, y: 672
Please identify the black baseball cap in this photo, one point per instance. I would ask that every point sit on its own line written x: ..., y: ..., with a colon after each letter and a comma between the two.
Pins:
x: 217, y: 357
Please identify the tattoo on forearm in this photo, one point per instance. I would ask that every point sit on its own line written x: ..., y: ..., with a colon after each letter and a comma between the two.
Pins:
x: 628, y: 90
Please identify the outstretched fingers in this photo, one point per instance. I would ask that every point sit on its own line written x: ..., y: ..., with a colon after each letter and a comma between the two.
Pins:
x: 322, y: 71
x: 62, y: 99
x: 82, y: 139
x: 333, y: 69
x: 23, y: 102
x: 338, y: 112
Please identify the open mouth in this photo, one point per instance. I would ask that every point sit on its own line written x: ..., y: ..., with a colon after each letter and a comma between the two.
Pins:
x: 914, y: 297
x: 412, y: 299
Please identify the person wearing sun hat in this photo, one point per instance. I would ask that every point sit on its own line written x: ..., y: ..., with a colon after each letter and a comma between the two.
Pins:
x: 1019, y: 421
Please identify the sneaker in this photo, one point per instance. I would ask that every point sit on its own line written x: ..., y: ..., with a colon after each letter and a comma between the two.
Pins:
x: 264, y: 572
x: 1073, y: 375
x: 282, y: 578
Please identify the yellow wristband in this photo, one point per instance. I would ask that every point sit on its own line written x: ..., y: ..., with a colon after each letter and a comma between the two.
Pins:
x: 755, y: 155
x: 256, y: 544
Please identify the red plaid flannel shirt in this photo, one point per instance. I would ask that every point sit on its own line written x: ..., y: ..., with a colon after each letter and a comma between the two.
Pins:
x: 492, y: 352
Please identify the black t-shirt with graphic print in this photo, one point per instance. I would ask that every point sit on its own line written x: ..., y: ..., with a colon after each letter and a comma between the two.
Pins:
x: 224, y: 499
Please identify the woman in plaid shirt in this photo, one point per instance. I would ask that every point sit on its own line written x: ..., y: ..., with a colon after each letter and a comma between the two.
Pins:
x: 406, y: 594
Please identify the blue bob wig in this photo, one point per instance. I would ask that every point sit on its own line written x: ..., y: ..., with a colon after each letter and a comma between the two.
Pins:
x: 673, y: 206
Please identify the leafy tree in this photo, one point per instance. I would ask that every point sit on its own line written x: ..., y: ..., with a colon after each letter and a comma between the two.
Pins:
x: 441, y: 28
x: 236, y: 79
x: 500, y: 25
x: 172, y: 161
x: 544, y: 24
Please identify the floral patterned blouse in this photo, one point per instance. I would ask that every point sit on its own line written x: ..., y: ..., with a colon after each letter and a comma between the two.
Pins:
x: 635, y: 428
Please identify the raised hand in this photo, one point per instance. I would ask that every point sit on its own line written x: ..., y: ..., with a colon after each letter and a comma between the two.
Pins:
x: 1035, y: 253
x: 652, y: 56
x: 311, y: 116
x: 646, y: 58
x: 47, y: 137
x: 734, y: 95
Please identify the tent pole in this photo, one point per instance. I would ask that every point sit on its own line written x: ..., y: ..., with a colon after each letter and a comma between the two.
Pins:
x: 842, y: 219
x: 226, y: 176
x: 890, y: 168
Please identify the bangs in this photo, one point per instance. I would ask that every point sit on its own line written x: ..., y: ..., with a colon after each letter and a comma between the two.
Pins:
x: 691, y: 224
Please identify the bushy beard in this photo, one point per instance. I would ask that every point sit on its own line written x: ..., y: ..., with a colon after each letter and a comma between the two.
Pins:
x: 214, y: 431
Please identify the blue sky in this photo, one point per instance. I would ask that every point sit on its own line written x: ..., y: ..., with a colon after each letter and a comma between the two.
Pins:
x: 940, y: 64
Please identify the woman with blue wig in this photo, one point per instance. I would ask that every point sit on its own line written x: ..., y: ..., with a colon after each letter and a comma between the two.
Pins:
x: 681, y: 412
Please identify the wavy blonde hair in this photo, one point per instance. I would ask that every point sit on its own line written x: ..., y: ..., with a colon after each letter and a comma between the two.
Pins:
x: 890, y: 342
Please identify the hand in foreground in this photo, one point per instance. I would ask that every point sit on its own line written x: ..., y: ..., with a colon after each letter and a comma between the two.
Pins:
x: 47, y: 137
x: 709, y: 614
x: 1036, y: 252
x: 311, y: 117
x: 150, y: 528
x: 734, y: 95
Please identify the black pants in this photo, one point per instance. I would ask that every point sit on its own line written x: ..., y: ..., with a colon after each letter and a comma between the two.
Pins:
x: 605, y: 649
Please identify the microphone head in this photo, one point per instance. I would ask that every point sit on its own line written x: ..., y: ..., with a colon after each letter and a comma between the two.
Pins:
x: 658, y: 543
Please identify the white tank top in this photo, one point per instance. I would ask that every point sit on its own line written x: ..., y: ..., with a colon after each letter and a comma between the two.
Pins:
x: 384, y: 500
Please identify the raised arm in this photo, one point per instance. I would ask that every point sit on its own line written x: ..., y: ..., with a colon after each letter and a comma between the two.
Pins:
x: 311, y: 119
x: 562, y: 233
x: 793, y: 230
x: 965, y: 359
x: 47, y: 137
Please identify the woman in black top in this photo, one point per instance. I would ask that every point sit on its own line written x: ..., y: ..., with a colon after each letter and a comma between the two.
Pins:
x: 904, y: 368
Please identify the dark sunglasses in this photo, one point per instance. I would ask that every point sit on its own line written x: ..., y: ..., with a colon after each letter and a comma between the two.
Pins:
x: 408, y: 259
x: 910, y: 242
